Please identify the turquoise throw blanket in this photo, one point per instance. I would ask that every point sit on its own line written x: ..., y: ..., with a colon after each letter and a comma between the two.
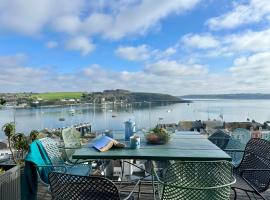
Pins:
x: 37, y: 155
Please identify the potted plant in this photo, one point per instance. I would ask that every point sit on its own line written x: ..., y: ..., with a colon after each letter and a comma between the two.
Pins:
x: 10, y: 175
x: 158, y: 135
x: 20, y: 144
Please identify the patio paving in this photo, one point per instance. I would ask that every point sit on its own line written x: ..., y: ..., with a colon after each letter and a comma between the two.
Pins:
x: 146, y: 193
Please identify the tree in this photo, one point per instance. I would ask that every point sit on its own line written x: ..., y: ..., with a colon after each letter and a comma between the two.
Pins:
x: 2, y: 101
x: 9, y: 130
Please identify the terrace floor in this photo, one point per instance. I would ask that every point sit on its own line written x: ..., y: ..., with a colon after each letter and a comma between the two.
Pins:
x: 146, y: 193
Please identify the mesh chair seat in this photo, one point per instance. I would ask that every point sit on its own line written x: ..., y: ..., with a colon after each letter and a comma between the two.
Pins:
x: 197, y: 180
x: 74, y: 187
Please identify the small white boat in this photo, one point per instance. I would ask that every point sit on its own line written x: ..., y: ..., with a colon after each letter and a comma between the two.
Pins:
x: 71, y: 111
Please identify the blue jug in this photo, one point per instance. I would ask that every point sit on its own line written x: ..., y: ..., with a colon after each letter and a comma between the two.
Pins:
x: 130, y: 129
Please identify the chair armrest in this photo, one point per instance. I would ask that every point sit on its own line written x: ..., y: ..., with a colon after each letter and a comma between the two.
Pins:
x: 53, y: 166
x: 195, y: 188
x: 69, y: 162
x: 133, y: 190
x: 63, y: 147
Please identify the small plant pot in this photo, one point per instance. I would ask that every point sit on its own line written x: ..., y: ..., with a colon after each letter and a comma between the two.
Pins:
x: 10, y: 183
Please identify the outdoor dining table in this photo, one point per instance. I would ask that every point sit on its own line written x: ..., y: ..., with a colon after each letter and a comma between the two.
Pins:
x: 182, y: 147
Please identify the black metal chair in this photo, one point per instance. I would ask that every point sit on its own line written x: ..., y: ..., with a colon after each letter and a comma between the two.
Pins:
x: 253, y: 173
x: 74, y: 187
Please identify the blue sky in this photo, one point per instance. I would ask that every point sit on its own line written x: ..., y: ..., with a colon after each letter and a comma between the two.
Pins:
x: 177, y: 47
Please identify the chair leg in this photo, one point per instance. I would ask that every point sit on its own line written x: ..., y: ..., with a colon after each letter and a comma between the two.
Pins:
x: 235, y: 193
x: 248, y: 195
x: 139, y: 192
x: 153, y: 185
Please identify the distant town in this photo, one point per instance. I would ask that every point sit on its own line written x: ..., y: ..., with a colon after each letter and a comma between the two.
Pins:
x: 118, y: 96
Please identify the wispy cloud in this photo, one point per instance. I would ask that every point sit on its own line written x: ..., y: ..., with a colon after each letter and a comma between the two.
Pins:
x: 80, y: 43
x: 241, y: 14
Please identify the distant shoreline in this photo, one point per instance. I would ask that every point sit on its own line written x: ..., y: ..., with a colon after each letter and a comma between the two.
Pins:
x: 86, y: 103
x: 257, y: 96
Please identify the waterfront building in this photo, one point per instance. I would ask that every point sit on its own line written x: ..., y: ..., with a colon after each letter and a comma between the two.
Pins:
x: 213, y: 124
x: 256, y: 133
x: 185, y: 125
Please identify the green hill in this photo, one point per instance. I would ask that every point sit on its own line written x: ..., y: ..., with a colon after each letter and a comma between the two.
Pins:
x: 58, y: 95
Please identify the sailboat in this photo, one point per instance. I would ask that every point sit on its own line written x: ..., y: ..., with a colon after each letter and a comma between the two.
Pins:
x: 71, y: 111
x: 62, y: 116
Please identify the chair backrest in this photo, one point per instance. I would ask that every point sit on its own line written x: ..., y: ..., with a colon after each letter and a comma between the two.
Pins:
x: 235, y: 144
x: 52, y: 150
x: 256, y: 156
x: 220, y: 139
x: 201, y: 175
x: 71, y: 139
x: 74, y: 187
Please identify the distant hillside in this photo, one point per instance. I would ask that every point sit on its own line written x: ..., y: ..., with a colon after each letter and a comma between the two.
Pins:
x: 128, y: 96
x: 58, y: 95
x: 228, y: 96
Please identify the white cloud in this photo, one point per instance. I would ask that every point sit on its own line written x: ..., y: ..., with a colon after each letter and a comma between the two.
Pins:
x: 254, y: 11
x: 80, y: 43
x: 137, y: 19
x: 252, y: 72
x: 257, y: 65
x: 31, y: 16
x: 202, y: 41
x: 137, y: 53
x: 16, y: 76
x: 253, y: 41
x: 68, y: 24
x: 172, y: 68
x: 51, y: 44
x: 229, y: 45
x: 97, y: 23
x: 248, y: 74
x: 113, y: 20
x: 144, y: 52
